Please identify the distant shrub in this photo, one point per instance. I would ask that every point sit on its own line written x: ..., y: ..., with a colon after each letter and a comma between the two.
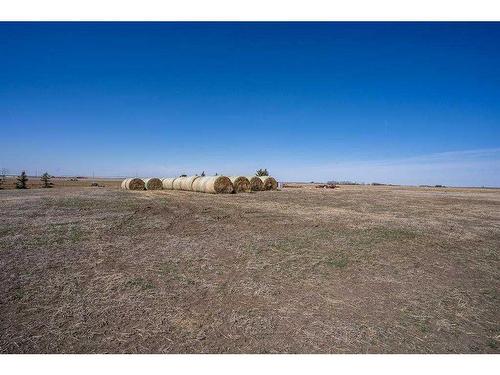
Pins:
x: 46, y: 180
x: 2, y: 177
x: 262, y: 172
x: 21, y: 181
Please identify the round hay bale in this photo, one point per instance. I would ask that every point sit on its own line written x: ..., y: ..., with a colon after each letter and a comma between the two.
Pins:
x: 153, y: 183
x: 133, y: 184
x: 256, y: 183
x: 176, y: 185
x: 269, y: 183
x: 213, y: 185
x: 184, y: 183
x: 187, y: 184
x: 240, y: 184
x: 168, y: 183
x: 197, y: 184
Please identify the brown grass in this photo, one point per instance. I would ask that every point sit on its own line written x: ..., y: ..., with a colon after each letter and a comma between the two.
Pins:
x: 64, y: 182
x: 359, y: 269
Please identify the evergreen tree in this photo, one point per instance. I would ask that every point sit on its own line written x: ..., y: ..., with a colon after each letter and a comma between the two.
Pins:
x: 203, y: 174
x: 2, y: 177
x: 46, y: 180
x: 21, y: 181
x: 262, y: 172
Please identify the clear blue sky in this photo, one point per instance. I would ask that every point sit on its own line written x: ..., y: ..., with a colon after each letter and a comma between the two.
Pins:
x: 411, y: 103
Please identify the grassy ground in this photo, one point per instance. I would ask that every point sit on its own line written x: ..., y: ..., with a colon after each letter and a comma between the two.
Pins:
x: 57, y: 182
x: 350, y: 270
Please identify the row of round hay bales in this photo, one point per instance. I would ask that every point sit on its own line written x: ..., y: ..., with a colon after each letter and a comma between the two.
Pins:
x: 142, y: 184
x: 259, y: 183
x: 204, y: 184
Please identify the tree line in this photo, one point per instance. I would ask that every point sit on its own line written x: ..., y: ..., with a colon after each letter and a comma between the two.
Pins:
x: 22, y: 180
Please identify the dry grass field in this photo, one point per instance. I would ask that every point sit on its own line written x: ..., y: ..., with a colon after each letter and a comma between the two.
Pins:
x: 35, y: 183
x: 349, y: 270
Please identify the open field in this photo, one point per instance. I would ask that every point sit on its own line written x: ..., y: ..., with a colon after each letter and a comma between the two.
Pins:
x: 35, y: 183
x: 358, y: 269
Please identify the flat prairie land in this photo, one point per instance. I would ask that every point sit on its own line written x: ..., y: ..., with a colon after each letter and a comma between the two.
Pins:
x: 359, y: 269
x: 57, y: 182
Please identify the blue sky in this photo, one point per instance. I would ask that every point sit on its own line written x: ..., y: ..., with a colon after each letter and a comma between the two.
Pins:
x: 410, y: 103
